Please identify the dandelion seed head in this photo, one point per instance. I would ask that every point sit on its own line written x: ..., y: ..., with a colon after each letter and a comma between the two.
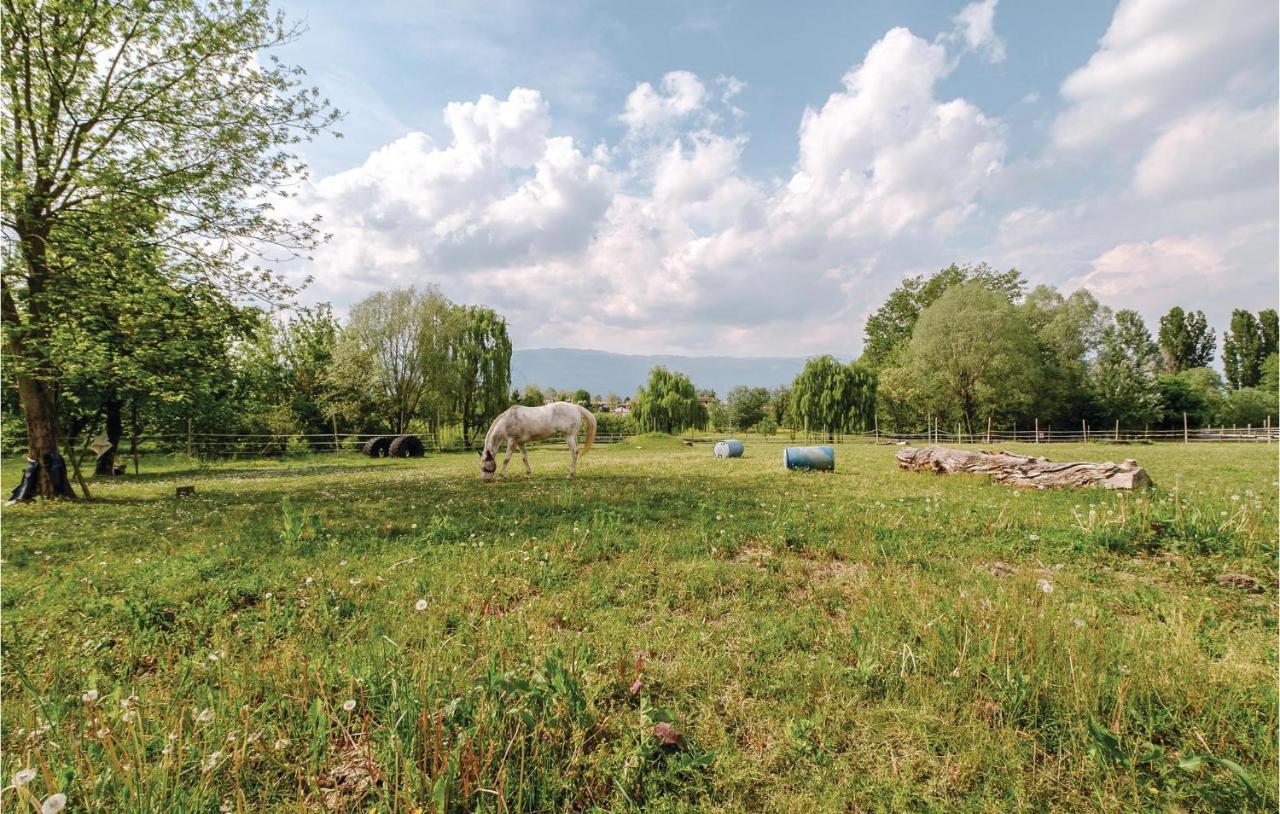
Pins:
x: 420, y: 605
x: 54, y: 803
x: 349, y: 704
x: 89, y: 696
x: 24, y: 777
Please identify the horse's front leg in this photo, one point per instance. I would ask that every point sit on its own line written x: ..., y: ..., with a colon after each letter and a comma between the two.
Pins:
x: 524, y: 453
x: 572, y: 441
x: 511, y: 446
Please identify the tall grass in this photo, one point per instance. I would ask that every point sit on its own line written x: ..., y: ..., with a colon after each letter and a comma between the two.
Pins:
x: 665, y: 633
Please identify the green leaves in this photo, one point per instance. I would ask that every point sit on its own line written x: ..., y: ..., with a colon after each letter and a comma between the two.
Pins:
x: 831, y: 397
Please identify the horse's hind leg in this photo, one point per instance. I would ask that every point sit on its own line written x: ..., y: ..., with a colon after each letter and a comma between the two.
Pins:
x: 524, y: 453
x: 572, y: 441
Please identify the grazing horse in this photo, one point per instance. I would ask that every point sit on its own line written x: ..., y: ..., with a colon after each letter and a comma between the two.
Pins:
x: 520, y: 425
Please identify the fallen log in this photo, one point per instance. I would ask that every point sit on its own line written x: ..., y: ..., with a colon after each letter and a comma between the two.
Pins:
x: 1019, y: 470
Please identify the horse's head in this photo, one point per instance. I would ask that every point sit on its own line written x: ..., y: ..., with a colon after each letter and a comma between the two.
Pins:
x: 488, y: 465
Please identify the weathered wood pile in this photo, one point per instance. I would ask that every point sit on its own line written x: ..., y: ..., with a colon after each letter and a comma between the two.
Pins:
x: 1020, y: 470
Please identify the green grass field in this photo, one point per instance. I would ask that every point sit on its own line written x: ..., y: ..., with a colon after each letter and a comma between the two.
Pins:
x: 352, y: 635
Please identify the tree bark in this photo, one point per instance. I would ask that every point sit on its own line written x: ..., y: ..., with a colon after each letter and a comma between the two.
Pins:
x: 106, y: 463
x: 1019, y: 470
x: 42, y: 426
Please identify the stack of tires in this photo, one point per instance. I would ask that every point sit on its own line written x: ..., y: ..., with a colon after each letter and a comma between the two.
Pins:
x: 394, y: 446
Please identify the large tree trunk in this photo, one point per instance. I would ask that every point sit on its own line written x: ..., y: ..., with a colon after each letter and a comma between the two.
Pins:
x: 1020, y: 470
x: 106, y: 464
x: 42, y: 426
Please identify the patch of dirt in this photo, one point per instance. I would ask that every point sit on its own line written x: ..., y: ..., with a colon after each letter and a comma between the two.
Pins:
x: 1243, y: 582
x: 344, y: 786
x: 752, y: 555
x: 839, y: 571
x: 1001, y: 569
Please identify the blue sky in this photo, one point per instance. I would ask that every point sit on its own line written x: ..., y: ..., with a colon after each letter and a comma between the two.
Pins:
x: 737, y: 178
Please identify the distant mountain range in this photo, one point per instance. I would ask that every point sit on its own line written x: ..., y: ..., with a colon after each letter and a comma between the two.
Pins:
x: 603, y: 373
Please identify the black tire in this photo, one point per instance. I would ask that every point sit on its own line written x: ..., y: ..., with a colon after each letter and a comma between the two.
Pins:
x: 406, y: 446
x: 377, y: 447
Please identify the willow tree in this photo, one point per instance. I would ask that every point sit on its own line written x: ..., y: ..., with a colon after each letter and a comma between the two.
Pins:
x: 482, y: 365
x: 829, y: 397
x: 668, y: 403
x: 115, y: 106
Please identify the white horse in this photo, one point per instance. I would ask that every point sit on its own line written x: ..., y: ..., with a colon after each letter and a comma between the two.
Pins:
x: 520, y: 425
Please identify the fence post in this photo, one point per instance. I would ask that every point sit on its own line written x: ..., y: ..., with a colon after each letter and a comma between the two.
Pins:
x: 190, y: 438
x: 335, y: 432
x: 1185, y: 439
x: 1037, y: 430
x: 988, y: 429
x: 1117, y: 429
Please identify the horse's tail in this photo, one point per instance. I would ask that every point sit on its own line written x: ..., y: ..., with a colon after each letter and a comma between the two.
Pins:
x: 591, y: 430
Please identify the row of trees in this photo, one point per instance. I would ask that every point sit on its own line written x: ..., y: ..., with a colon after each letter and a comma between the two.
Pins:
x: 968, y: 344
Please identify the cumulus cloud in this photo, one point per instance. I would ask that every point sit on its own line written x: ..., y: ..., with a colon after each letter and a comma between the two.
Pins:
x: 1160, y: 59
x: 662, y: 242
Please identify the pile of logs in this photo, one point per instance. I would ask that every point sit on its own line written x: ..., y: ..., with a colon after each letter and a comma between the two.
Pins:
x: 1020, y: 470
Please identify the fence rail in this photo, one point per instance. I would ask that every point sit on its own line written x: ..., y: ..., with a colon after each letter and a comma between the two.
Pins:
x: 233, y: 445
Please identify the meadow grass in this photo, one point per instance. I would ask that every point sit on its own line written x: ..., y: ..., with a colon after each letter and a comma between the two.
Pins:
x: 667, y: 632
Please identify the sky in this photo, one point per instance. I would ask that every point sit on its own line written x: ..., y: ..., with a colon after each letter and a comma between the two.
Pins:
x: 728, y: 178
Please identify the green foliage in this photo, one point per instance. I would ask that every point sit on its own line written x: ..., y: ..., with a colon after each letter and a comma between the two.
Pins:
x: 972, y: 355
x: 1247, y: 405
x: 1124, y: 375
x: 582, y: 398
x: 1068, y: 333
x: 747, y: 406
x: 891, y: 326
x: 668, y: 403
x: 1196, y: 392
x: 1245, y: 346
x: 829, y: 397
x: 481, y: 357
x: 157, y: 129
x: 1186, y: 340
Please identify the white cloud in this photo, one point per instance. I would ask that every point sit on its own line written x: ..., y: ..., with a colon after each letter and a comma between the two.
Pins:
x: 1160, y: 59
x: 975, y: 26
x: 1212, y: 151
x: 662, y: 242
x: 649, y: 109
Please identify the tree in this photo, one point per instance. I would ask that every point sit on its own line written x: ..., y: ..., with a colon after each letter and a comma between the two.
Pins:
x: 747, y: 406
x: 482, y: 359
x: 1124, y: 373
x: 398, y: 348
x: 531, y: 396
x: 1247, y: 406
x: 890, y: 327
x: 1186, y: 340
x: 582, y: 398
x: 119, y: 107
x: 972, y: 356
x: 1243, y: 349
x: 668, y: 403
x: 1269, y: 323
x: 1068, y: 333
x: 830, y: 397
x: 780, y: 405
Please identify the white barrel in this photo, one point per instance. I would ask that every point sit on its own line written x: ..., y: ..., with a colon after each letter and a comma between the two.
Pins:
x: 728, y: 448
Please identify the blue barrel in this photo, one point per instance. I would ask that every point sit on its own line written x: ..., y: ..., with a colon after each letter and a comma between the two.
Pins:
x: 809, y: 457
x: 728, y: 448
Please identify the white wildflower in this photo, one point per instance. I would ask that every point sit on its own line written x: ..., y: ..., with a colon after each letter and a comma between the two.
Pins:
x: 420, y: 605
x: 349, y: 704
x: 89, y: 696
x: 1045, y: 585
x: 205, y: 716
x: 210, y: 761
x: 24, y: 777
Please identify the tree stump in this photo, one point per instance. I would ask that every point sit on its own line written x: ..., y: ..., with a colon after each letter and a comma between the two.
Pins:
x: 1019, y: 470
